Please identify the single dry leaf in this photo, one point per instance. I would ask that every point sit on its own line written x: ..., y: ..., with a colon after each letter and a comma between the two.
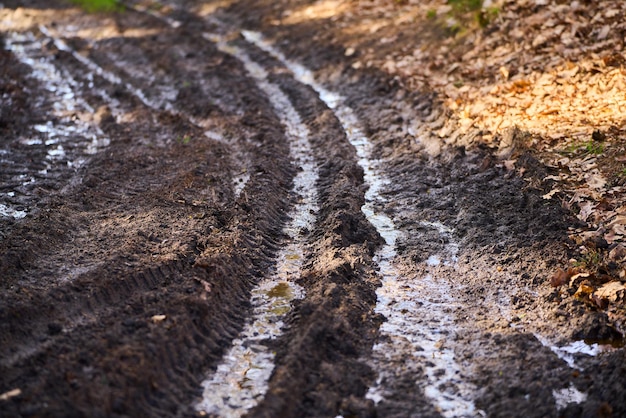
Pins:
x: 595, y: 180
x: 575, y: 277
x: 604, y: 32
x: 613, y: 291
x: 618, y: 253
x: 550, y: 194
x: 559, y: 278
x: 504, y: 72
x: 618, y: 220
x: 584, y: 289
x: 585, y: 210
x: 509, y: 164
x: 10, y: 394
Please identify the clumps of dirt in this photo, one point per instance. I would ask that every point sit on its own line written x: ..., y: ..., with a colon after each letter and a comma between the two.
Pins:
x: 319, y: 364
x: 15, y: 105
x: 119, y: 292
x: 518, y: 85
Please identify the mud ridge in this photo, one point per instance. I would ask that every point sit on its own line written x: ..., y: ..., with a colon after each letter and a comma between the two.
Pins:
x: 128, y: 270
x: 509, y: 237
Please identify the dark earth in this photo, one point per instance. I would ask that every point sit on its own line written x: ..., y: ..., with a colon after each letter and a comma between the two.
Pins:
x: 131, y: 271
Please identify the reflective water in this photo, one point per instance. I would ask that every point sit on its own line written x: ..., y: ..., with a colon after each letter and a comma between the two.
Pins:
x: 416, y: 308
x: 566, y: 396
x: 571, y: 352
x: 241, y: 381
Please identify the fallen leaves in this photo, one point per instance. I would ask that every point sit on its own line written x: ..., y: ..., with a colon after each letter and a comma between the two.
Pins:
x: 584, y: 289
x: 555, y: 71
x: 596, y: 289
x: 551, y: 193
x: 559, y: 278
x: 612, y: 291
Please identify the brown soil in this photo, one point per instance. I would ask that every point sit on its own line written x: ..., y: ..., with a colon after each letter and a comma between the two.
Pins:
x: 131, y: 272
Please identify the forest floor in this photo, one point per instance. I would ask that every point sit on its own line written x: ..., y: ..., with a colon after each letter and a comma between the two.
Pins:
x: 532, y: 76
x: 393, y: 208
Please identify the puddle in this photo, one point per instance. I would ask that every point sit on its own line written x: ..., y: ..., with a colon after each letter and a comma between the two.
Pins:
x: 573, y: 351
x: 417, y: 323
x: 566, y: 396
x: 11, y: 212
x: 241, y: 381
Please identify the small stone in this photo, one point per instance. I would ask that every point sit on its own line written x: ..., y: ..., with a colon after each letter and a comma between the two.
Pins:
x: 10, y: 394
x: 158, y: 318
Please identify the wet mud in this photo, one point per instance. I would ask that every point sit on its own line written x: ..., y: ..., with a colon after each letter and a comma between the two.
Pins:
x: 130, y: 269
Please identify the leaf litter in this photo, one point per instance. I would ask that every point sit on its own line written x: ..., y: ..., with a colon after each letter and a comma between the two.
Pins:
x: 539, y: 77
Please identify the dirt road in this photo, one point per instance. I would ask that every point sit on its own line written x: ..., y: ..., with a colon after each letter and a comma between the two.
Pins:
x: 205, y: 213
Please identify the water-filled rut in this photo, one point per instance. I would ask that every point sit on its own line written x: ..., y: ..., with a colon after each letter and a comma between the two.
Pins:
x: 240, y: 382
x: 196, y: 220
x: 416, y: 308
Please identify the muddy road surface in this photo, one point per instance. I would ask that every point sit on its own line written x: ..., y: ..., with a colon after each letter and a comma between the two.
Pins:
x: 205, y: 214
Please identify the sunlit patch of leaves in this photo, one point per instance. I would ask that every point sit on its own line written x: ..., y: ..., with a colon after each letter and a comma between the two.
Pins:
x: 93, y: 6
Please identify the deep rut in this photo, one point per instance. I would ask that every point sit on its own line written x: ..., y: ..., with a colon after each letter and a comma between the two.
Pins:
x: 220, y: 217
x: 127, y: 289
x: 136, y: 203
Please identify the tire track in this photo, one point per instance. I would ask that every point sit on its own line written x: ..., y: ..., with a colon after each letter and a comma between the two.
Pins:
x: 406, y: 320
x: 240, y: 382
x: 494, y: 346
x: 339, y: 282
x: 58, y: 147
x: 344, y: 236
x: 191, y: 302
x: 168, y: 95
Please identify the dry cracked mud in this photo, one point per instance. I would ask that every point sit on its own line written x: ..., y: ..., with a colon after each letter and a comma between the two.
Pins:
x: 153, y: 174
